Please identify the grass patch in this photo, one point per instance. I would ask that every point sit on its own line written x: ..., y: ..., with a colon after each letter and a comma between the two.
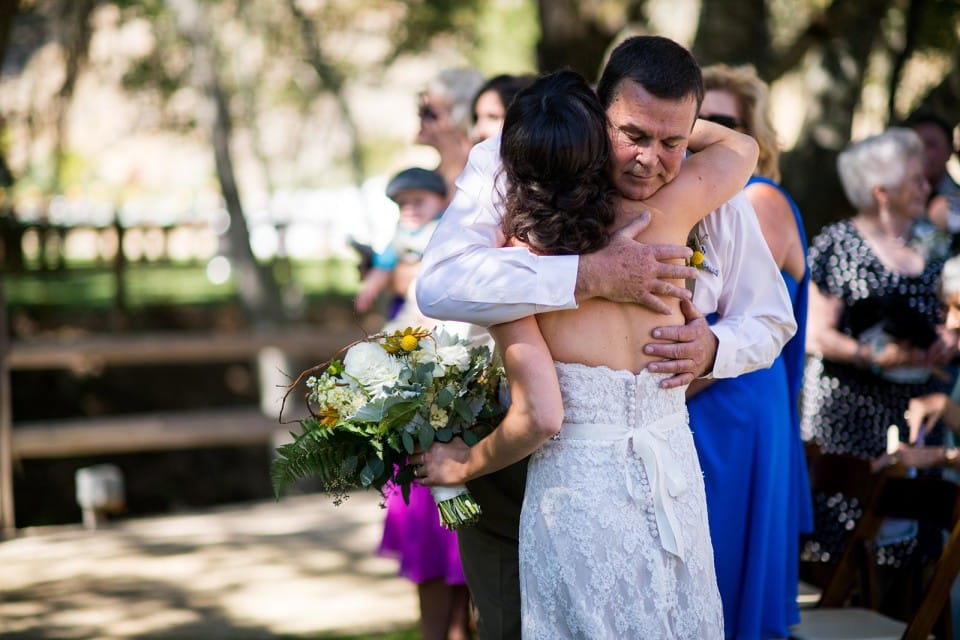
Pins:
x: 149, y: 284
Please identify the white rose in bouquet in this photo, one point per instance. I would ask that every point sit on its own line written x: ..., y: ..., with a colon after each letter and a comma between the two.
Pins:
x: 371, y: 367
x: 446, y: 351
x: 455, y: 355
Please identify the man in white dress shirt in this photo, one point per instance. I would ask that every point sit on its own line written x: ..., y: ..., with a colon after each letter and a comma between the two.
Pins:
x: 467, y: 275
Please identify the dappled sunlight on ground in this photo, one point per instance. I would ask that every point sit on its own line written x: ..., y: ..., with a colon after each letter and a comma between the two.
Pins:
x: 300, y: 566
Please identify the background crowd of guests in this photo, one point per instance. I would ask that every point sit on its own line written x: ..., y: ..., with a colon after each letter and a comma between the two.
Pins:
x: 876, y: 298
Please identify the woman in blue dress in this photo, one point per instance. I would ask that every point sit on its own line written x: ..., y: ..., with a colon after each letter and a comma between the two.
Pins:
x: 747, y: 429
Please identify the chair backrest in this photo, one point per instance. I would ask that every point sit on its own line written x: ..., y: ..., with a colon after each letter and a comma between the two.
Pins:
x: 832, y: 473
x: 934, y: 501
x: 852, y: 476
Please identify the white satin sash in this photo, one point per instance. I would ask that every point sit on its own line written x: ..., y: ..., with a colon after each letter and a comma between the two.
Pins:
x: 649, y: 443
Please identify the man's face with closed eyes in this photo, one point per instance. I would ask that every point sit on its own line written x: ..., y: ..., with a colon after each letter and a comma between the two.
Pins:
x: 648, y: 138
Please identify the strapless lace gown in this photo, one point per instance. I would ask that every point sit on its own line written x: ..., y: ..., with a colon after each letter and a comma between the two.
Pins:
x: 614, y: 538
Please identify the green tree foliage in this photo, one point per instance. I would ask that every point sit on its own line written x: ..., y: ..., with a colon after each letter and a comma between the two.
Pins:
x: 305, y: 57
x: 838, y: 48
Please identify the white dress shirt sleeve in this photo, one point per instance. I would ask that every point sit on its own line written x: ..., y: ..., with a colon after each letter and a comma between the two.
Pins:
x: 755, y: 312
x: 467, y: 275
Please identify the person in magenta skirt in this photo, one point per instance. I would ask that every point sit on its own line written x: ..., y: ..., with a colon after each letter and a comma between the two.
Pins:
x: 429, y: 557
x: 412, y: 534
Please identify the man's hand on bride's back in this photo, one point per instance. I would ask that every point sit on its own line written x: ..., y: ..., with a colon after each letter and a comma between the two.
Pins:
x: 630, y: 271
x: 689, y: 351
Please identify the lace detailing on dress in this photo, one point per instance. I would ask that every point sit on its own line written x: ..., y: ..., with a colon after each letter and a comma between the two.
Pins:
x: 599, y: 394
x: 593, y: 561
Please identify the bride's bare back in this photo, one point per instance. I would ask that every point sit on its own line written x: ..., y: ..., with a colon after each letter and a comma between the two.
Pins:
x: 605, y: 333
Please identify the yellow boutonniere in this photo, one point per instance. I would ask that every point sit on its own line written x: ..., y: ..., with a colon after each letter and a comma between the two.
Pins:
x: 699, y: 257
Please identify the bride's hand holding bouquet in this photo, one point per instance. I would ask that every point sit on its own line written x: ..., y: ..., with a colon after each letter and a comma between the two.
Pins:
x: 393, y: 394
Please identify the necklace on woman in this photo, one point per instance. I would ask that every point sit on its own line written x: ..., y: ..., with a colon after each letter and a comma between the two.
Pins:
x: 877, y: 233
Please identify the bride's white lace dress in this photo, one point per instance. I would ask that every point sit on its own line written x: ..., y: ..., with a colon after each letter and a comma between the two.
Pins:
x: 614, y: 540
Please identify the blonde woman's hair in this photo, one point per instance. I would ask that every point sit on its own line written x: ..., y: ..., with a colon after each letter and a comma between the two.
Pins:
x: 753, y: 96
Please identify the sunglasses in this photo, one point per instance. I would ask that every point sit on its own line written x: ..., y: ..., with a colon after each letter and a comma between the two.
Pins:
x: 723, y: 120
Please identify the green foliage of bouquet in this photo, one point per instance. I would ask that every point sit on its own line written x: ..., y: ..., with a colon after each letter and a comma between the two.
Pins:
x: 392, y: 392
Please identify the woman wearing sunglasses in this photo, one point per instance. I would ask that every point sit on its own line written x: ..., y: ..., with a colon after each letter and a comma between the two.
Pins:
x: 758, y: 495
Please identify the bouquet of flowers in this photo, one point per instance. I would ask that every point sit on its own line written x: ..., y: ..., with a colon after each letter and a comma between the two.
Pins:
x: 391, y: 392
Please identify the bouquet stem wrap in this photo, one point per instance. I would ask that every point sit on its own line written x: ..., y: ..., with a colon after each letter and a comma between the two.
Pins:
x: 456, y: 506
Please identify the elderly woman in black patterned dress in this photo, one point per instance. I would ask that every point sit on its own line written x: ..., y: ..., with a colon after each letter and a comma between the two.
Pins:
x: 874, y: 335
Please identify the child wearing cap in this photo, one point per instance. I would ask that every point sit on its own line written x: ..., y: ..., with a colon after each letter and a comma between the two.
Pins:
x: 421, y: 195
x: 412, y: 534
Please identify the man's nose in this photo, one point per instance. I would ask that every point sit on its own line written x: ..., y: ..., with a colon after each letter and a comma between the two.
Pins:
x: 646, y: 153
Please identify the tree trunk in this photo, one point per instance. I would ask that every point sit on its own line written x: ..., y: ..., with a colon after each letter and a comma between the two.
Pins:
x: 734, y: 33
x: 334, y: 81
x: 834, y: 76
x: 911, y: 41
x: 74, y: 32
x: 574, y: 37
x: 945, y: 97
x: 257, y: 287
x: 8, y: 11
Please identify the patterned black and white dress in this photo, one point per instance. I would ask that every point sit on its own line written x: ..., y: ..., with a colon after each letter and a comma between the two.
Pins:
x: 846, y: 409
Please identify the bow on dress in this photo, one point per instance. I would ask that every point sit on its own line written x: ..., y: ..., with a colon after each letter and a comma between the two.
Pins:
x: 650, y: 444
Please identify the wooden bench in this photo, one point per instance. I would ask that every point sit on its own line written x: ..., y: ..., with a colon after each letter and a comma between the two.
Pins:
x: 148, y: 431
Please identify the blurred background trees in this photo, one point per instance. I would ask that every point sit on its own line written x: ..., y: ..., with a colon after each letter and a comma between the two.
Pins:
x: 234, y: 101
x: 202, y: 165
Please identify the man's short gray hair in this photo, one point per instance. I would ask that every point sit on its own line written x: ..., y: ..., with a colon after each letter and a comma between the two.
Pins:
x: 877, y: 161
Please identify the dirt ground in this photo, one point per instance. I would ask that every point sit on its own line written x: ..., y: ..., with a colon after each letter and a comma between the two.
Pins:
x: 298, y: 567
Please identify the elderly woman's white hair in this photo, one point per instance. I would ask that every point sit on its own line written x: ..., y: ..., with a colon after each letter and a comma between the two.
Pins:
x: 877, y: 161
x: 457, y: 88
x: 950, y: 278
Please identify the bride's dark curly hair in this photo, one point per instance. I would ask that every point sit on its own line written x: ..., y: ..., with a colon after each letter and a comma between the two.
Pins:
x: 555, y: 150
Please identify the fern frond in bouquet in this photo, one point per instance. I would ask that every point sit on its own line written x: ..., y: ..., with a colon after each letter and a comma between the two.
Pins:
x: 392, y: 392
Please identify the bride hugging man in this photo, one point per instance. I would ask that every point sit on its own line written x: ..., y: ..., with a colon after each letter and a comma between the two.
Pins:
x: 571, y: 251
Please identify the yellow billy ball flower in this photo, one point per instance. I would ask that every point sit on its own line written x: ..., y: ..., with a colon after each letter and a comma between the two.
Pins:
x: 409, y: 342
x: 697, y: 258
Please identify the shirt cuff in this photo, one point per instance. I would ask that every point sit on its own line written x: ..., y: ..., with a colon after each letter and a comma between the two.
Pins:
x: 557, y: 284
x: 725, y: 362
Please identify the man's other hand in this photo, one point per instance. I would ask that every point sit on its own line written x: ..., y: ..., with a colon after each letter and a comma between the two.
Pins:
x: 630, y: 271
x: 689, y: 349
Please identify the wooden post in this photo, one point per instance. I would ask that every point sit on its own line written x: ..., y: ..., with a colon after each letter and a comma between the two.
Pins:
x: 7, y: 524
x: 119, y: 270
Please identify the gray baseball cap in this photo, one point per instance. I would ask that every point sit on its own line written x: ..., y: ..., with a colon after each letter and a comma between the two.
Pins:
x: 416, y: 178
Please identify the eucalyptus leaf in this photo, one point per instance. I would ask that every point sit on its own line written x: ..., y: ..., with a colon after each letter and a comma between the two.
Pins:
x: 463, y: 410
x: 372, y: 412
x: 367, y: 475
x: 445, y: 434
x: 377, y: 466
x: 407, y: 442
x: 469, y: 437
x: 426, y: 436
x: 445, y: 397
x: 425, y: 372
